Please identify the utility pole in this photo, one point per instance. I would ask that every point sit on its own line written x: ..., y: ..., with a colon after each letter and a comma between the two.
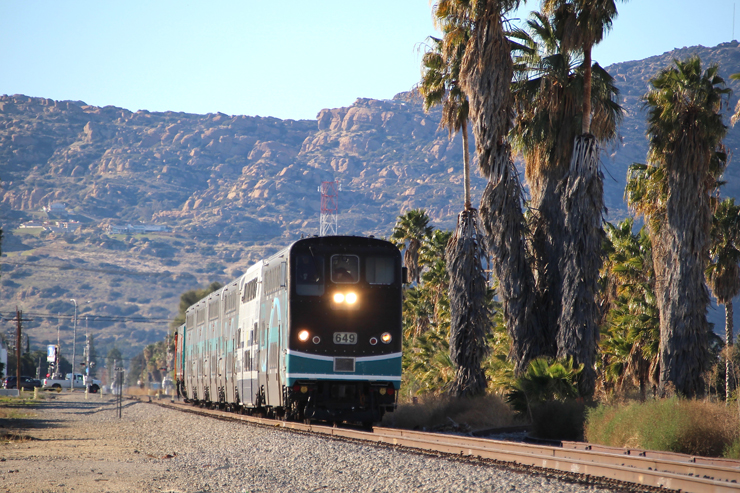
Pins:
x: 18, y: 315
x: 87, y: 349
x: 86, y: 378
x: 74, y: 348
x: 57, y: 355
x: 18, y: 343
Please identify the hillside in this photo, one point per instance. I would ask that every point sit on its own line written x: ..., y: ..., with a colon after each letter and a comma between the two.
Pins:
x: 230, y: 189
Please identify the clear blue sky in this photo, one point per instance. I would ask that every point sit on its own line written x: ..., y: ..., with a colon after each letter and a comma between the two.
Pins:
x: 285, y: 59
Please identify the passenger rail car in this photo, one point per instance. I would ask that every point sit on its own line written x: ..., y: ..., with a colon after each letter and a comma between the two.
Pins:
x: 313, y: 332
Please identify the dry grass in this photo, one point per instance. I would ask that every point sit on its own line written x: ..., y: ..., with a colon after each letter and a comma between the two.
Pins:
x: 676, y: 425
x: 433, y: 412
x: 16, y: 407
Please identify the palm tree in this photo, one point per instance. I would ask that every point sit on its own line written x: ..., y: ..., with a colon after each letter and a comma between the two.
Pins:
x: 723, y: 273
x: 631, y: 341
x: 580, y: 25
x: 685, y: 131
x: 417, y: 310
x: 440, y: 84
x: 485, y: 77
x: 410, y: 231
x: 436, y: 279
x: 469, y: 313
x: 548, y: 91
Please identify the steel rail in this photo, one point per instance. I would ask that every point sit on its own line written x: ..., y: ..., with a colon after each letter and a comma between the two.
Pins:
x: 715, y: 461
x: 661, y: 470
x: 727, y: 470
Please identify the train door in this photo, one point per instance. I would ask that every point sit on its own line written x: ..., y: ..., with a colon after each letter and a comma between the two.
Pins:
x: 251, y: 360
x: 261, y: 357
x: 223, y: 340
x: 274, y: 388
x: 230, y: 379
x: 248, y: 336
x: 198, y: 385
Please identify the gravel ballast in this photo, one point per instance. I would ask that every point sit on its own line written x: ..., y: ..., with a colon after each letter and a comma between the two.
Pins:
x: 72, y: 444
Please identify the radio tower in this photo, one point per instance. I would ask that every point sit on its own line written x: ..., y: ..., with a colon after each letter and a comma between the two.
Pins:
x: 329, y: 208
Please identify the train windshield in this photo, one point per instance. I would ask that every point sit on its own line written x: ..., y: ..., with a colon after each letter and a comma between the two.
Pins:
x: 309, y: 275
x: 345, y: 269
x: 380, y: 270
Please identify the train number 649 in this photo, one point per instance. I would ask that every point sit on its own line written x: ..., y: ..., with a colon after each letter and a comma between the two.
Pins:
x: 345, y: 337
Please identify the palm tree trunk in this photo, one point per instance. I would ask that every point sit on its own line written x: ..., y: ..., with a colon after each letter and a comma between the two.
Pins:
x: 503, y: 222
x: 586, y: 122
x: 411, y: 259
x: 546, y: 225
x: 469, y: 314
x: 729, y: 327
x: 486, y: 74
x: 679, y: 256
x: 466, y: 165
x: 583, y: 204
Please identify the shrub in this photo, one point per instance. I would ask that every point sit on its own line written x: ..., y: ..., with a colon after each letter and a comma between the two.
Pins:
x: 544, y: 381
x: 559, y: 420
x: 674, y: 425
x: 547, y: 395
x: 437, y: 411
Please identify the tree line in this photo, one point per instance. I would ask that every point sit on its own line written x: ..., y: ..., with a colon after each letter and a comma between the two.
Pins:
x: 614, y: 303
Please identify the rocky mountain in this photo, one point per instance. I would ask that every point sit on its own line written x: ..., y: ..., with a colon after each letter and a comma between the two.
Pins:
x: 232, y: 189
x: 240, y: 178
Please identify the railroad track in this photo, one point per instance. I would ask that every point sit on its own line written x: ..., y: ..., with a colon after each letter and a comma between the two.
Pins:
x: 640, y: 467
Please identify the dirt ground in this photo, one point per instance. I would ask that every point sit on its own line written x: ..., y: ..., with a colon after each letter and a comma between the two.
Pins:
x: 66, y: 443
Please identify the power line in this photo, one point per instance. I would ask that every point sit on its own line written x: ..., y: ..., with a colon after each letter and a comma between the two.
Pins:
x: 100, y: 318
x: 93, y: 269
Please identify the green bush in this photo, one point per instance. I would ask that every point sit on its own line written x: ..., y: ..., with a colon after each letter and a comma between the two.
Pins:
x: 544, y: 381
x: 733, y: 450
x: 674, y: 425
x: 547, y: 395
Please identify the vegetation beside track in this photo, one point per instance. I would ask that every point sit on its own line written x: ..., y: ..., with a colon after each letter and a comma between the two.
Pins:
x: 676, y: 425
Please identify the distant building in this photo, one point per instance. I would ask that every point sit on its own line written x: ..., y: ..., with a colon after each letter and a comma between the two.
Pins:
x: 148, y: 228
x: 32, y: 224
x: 136, y: 229
x: 115, y: 229
x: 62, y: 226
x: 56, y: 208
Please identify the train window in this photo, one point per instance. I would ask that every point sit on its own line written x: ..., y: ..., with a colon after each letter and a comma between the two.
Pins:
x: 213, y: 310
x: 380, y: 270
x: 309, y: 273
x: 345, y: 268
x: 250, y: 291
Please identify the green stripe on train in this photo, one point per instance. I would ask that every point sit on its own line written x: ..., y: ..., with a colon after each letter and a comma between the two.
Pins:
x: 370, y: 370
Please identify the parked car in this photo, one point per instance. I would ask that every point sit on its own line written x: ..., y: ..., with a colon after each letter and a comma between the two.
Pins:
x: 27, y: 383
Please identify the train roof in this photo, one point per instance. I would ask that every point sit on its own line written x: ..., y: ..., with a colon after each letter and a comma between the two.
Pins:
x: 332, y: 241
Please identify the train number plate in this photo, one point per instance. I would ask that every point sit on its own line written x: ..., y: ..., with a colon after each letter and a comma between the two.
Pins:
x: 345, y: 337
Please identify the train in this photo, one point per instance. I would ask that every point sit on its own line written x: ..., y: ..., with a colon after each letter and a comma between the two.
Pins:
x: 312, y: 333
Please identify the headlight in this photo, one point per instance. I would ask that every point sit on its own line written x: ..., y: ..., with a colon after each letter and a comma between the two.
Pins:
x: 338, y: 297
x: 351, y: 298
x: 303, y: 335
x: 386, y: 337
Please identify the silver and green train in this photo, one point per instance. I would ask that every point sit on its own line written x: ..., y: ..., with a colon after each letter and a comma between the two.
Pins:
x: 311, y: 333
